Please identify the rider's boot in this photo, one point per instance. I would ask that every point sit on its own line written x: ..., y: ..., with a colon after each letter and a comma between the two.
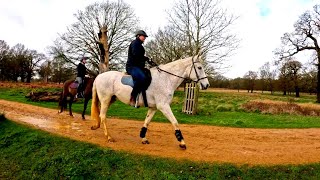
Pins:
x: 132, y: 101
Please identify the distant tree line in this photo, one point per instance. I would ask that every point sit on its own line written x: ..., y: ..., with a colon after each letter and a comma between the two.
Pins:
x: 18, y: 62
x: 289, y: 77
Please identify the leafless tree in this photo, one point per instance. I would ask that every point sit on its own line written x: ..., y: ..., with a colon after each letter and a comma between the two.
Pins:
x: 263, y: 72
x: 166, y: 46
x: 309, y: 79
x: 45, y: 71
x: 205, y: 27
x: 294, y: 68
x: 250, y: 78
x: 32, y: 61
x: 4, y: 52
x: 304, y: 37
x: 81, y: 38
x: 267, y: 77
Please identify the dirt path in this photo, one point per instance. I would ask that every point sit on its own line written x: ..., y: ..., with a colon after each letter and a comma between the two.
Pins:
x: 204, y: 143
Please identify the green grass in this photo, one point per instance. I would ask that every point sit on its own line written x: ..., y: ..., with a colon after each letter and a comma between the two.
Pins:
x: 215, y: 108
x: 33, y: 154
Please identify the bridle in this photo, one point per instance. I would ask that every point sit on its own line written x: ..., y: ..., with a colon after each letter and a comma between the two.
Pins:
x: 186, y: 79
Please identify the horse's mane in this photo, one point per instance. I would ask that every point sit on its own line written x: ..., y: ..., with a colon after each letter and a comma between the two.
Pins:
x: 176, y: 62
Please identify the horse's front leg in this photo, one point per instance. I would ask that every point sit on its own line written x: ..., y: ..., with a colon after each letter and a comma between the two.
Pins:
x: 167, y: 112
x: 62, y: 103
x: 150, y: 114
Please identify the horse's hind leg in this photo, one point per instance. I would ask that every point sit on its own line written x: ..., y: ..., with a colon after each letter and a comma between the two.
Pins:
x: 105, y: 103
x: 62, y: 102
x: 167, y: 112
x: 70, y: 105
x: 144, y: 129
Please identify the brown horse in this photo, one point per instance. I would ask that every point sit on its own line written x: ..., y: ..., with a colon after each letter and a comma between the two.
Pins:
x: 70, y: 91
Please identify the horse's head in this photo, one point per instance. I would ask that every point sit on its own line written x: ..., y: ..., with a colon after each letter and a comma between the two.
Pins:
x: 197, y: 72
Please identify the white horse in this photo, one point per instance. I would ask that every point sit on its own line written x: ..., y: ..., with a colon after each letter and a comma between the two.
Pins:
x: 165, y: 80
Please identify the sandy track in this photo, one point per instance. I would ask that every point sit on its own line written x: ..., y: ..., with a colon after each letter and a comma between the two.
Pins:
x: 204, y: 143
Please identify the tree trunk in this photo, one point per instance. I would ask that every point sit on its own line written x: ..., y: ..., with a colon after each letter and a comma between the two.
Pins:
x: 318, y: 81
x: 297, y: 91
x: 29, y: 76
x: 104, y: 50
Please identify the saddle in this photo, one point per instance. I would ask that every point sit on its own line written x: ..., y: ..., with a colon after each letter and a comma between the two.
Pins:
x: 74, y: 85
x: 128, y: 80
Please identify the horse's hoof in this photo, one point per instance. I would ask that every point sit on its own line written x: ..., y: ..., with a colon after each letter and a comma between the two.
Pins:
x: 94, y: 127
x: 83, y: 118
x: 145, y: 142
x: 183, y: 146
x: 111, y: 140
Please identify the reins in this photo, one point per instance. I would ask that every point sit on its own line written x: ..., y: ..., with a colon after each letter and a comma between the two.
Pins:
x: 186, y: 79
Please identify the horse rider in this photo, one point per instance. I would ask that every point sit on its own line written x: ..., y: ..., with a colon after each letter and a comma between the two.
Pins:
x: 136, y: 63
x: 81, y: 72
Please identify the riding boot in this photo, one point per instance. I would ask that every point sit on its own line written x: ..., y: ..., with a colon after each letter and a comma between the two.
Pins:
x: 132, y: 101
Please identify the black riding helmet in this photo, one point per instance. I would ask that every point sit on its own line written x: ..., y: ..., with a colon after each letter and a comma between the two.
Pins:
x: 141, y: 33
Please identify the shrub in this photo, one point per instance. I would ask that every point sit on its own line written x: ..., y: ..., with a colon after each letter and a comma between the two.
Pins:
x: 224, y: 108
x: 278, y: 107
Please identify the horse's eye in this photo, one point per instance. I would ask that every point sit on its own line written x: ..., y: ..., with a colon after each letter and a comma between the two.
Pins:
x: 200, y: 67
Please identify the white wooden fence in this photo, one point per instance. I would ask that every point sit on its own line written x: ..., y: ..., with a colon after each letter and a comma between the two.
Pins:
x: 191, y: 98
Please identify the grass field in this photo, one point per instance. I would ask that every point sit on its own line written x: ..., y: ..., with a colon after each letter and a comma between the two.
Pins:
x: 27, y: 153
x: 215, y: 108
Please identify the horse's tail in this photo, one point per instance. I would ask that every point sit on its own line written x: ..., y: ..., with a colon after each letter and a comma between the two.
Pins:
x: 95, y: 104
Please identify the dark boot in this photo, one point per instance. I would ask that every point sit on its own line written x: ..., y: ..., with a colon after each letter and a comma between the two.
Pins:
x: 132, y: 101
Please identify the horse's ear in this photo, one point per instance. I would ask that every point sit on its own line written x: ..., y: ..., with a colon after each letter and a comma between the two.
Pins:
x: 200, y: 53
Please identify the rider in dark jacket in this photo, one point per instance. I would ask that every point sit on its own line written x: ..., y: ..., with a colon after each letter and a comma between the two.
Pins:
x: 136, y: 63
x: 81, y: 72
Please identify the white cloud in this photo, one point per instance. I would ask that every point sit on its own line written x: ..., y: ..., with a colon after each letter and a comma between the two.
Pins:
x: 261, y: 34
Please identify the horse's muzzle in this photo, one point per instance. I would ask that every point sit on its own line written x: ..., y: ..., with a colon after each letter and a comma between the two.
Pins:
x: 204, y: 87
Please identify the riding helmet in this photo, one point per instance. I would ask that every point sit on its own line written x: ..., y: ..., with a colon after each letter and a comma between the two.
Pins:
x: 141, y: 33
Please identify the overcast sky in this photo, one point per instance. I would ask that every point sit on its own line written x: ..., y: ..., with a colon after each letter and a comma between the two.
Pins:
x: 36, y: 23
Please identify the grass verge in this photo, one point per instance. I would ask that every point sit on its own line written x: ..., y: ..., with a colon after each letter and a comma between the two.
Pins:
x: 27, y: 153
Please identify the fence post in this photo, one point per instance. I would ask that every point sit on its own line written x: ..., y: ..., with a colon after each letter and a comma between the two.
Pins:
x: 191, y: 98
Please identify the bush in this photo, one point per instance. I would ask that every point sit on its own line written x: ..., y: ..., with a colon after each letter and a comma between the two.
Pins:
x: 278, y: 107
x: 224, y: 108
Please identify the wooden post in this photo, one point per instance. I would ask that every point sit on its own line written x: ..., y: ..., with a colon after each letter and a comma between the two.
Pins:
x: 191, y: 98
x: 104, y: 50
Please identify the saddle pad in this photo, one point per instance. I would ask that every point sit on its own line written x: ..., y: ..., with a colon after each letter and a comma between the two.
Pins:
x: 127, y: 80
x: 74, y: 85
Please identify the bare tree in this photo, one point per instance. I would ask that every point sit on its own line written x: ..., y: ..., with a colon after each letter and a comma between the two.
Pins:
x: 204, y: 26
x: 263, y: 73
x: 45, y: 71
x: 166, y: 46
x: 81, y: 38
x: 4, y: 53
x: 304, y: 37
x: 284, y: 78
x: 271, y: 78
x: 250, y: 78
x: 294, y: 68
x: 309, y: 79
x: 267, y: 77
